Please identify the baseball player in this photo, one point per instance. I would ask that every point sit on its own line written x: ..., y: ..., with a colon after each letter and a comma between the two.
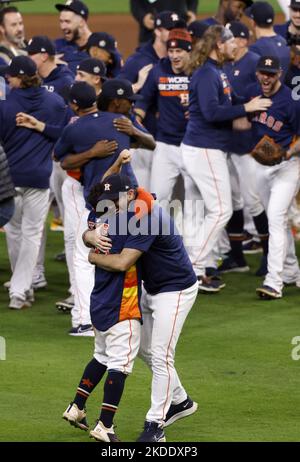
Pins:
x: 145, y: 12
x: 12, y: 34
x: 277, y: 185
x: 7, y: 192
x: 286, y: 6
x: 73, y: 151
x: 115, y: 314
x: 170, y: 291
x: 228, y: 10
x: 241, y: 73
x: 290, y: 29
x: 168, y: 87
x: 101, y: 45
x: 267, y: 41
x: 29, y: 157
x: 73, y: 23
x: 207, y: 140
x: 92, y: 71
x: 139, y: 63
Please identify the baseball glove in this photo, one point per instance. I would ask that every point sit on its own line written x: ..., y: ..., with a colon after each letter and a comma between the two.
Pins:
x: 267, y: 152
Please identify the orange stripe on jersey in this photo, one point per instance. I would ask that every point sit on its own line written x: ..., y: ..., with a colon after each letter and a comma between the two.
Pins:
x: 171, y: 93
x: 76, y: 173
x: 130, y: 302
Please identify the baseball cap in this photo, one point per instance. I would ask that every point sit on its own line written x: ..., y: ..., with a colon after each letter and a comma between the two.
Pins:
x: 40, y: 44
x: 168, y: 20
x: 262, y: 13
x: 82, y: 94
x: 93, y: 66
x: 119, y: 88
x: 269, y: 64
x: 295, y: 4
x: 113, y: 185
x: 238, y: 29
x: 75, y: 6
x: 102, y: 40
x: 20, y: 65
x: 197, y: 28
x: 180, y: 38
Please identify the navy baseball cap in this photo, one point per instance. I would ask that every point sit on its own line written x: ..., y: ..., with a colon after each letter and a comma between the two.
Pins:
x: 119, y: 88
x: 75, y: 6
x: 169, y: 20
x: 93, y: 66
x: 238, y: 29
x: 113, y: 185
x: 295, y: 4
x: 82, y: 94
x: 20, y: 65
x: 262, y: 13
x: 197, y: 29
x: 102, y: 40
x: 270, y: 64
x: 40, y: 44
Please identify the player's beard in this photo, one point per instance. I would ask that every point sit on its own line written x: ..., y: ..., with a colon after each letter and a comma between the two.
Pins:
x: 75, y: 35
x: 17, y: 41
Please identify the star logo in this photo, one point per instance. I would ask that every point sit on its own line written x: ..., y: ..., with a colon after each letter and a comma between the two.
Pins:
x: 120, y: 92
x: 236, y: 73
x: 96, y: 70
x: 268, y: 62
x: 175, y: 17
x: 173, y: 43
x: 102, y: 43
x: 87, y: 383
x: 107, y: 187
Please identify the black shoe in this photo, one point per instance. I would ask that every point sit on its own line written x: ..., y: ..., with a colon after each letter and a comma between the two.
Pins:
x: 210, y: 285
x: 152, y: 433
x: 82, y: 331
x: 178, y: 411
x: 229, y: 265
x: 60, y: 257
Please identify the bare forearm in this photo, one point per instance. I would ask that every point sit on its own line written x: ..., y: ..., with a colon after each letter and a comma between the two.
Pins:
x: 143, y: 140
x: 78, y: 160
x: 113, y: 263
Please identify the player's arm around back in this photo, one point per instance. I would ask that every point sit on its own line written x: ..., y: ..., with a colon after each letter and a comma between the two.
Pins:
x: 115, y: 262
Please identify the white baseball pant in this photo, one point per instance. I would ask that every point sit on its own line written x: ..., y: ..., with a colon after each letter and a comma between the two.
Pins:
x: 278, y: 186
x: 74, y: 205
x: 118, y: 347
x: 163, y: 317
x: 24, y: 234
x: 209, y: 171
x: 142, y: 164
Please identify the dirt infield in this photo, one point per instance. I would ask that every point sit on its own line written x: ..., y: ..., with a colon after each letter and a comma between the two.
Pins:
x: 121, y: 26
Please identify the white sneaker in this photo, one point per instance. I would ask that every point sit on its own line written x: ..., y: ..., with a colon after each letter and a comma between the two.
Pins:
x: 6, y: 285
x: 101, y: 433
x: 17, y: 303
x: 76, y: 417
x: 39, y: 282
x: 65, y: 305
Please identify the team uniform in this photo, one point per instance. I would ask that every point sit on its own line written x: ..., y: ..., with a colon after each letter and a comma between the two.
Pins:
x: 29, y: 157
x: 170, y: 91
x: 72, y: 53
x: 279, y: 185
x: 273, y: 46
x: 96, y: 126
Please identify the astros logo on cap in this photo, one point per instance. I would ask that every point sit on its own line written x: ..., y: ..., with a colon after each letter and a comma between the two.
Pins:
x: 120, y: 91
x: 107, y: 187
x: 268, y: 62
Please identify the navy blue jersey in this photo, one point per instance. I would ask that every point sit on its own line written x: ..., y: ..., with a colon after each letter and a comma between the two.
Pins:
x: 116, y: 295
x: 166, y: 266
x: 273, y: 46
x: 171, y: 93
x: 72, y: 53
x: 211, y: 21
x: 281, y: 121
x: 28, y: 151
x: 211, y: 109
x: 59, y: 80
x: 241, y: 74
x: 282, y: 29
x: 142, y: 57
x: 81, y: 135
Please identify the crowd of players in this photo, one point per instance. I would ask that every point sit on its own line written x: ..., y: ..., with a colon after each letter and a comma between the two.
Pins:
x: 189, y: 104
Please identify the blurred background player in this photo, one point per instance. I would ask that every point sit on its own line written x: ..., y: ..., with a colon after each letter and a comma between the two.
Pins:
x: 73, y: 24
x: 101, y: 45
x: 145, y: 11
x: 12, y: 34
x: 7, y: 191
x: 228, y: 10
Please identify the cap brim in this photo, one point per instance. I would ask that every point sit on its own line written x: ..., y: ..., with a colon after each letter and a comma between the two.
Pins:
x: 109, y: 196
x: 268, y: 70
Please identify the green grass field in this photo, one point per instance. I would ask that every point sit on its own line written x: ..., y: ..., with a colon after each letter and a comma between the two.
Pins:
x: 234, y: 358
x: 103, y: 6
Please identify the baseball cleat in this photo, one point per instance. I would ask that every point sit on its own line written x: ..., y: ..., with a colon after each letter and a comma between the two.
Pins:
x: 82, y: 331
x: 229, y: 265
x: 65, y: 305
x: 104, y: 434
x: 210, y: 285
x: 76, y: 417
x: 39, y: 282
x: 152, y: 433
x: 178, y: 411
x: 60, y: 257
x: 268, y: 293
x: 252, y: 247
x: 56, y: 224
x: 17, y: 303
